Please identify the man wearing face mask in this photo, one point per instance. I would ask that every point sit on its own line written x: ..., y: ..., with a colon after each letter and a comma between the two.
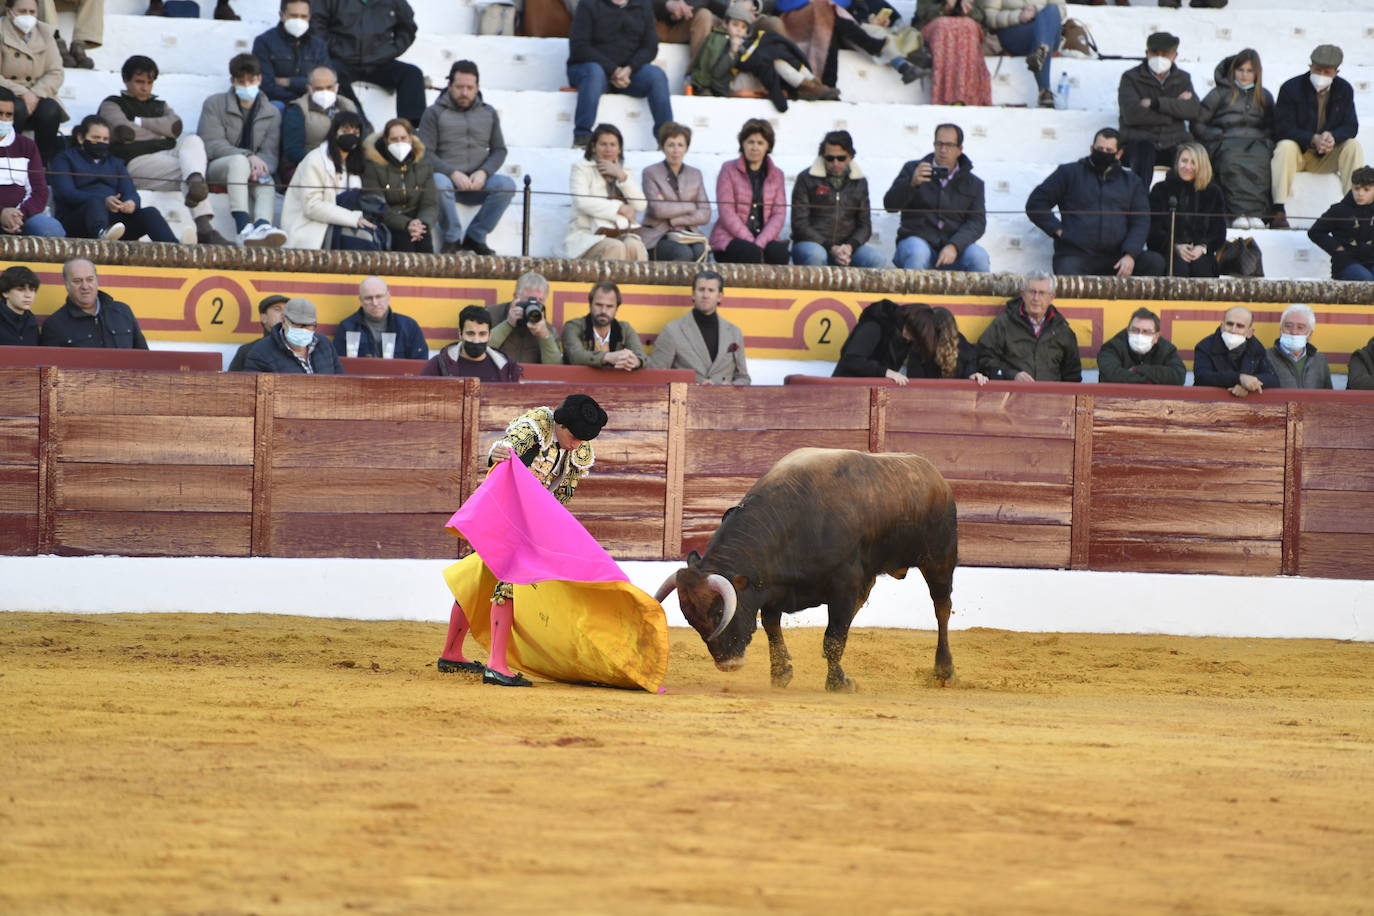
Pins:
x: 1156, y: 103
x: 1296, y: 362
x: 306, y: 120
x: 293, y: 345
x: 1139, y: 355
x: 1314, y: 128
x: 288, y: 52
x: 1231, y: 358
x: 470, y: 356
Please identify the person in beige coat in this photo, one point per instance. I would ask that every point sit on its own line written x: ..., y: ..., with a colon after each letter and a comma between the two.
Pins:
x: 678, y: 209
x: 605, y: 199
x: 31, y: 68
x: 703, y: 341
x: 312, y: 208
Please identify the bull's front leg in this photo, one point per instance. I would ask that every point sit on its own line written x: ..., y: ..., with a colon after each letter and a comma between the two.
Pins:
x: 779, y: 660
x: 832, y: 646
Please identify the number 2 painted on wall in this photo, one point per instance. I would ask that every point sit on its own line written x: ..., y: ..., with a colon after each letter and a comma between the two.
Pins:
x: 218, y: 303
x: 825, y: 331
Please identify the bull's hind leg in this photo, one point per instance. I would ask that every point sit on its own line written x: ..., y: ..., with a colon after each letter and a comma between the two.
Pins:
x: 779, y: 660
x: 940, y: 580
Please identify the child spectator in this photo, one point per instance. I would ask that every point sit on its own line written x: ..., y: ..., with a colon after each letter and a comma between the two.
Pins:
x: 1346, y: 230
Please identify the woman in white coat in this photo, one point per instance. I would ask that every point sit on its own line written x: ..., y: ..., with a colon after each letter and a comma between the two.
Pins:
x: 605, y: 198
x: 312, y: 209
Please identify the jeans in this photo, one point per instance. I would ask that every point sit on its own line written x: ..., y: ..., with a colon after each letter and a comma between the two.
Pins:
x: 494, y: 198
x: 1025, y: 37
x: 43, y: 225
x: 1147, y: 264
x: 591, y: 82
x: 738, y: 251
x: 669, y: 250
x: 1355, y: 272
x: 914, y: 254
x: 814, y: 255
x: 91, y: 218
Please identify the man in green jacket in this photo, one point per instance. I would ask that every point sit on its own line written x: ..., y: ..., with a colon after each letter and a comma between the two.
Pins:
x: 1140, y: 356
x: 1031, y: 341
x: 1361, y: 376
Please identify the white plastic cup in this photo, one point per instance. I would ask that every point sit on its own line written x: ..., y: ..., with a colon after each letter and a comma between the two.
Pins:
x: 388, y: 346
x: 352, y: 340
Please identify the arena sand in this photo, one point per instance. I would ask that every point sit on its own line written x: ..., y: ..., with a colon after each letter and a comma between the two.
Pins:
x: 256, y: 764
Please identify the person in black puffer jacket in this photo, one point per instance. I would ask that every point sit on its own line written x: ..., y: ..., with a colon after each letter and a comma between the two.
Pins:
x: 880, y: 343
x: 1190, y: 203
x: 1346, y: 230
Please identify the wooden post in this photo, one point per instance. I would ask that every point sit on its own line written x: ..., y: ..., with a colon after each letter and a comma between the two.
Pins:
x: 675, y: 471
x: 48, y: 429
x: 1291, y: 555
x: 878, y: 397
x: 264, y: 409
x: 1082, y: 481
x: 469, y: 437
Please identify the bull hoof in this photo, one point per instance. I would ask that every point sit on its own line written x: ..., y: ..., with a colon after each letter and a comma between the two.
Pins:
x: 782, y: 678
x: 841, y: 685
x: 943, y: 674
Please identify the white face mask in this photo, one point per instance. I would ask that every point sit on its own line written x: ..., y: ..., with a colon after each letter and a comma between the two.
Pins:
x: 25, y: 23
x: 1293, y: 343
x: 399, y: 151
x: 299, y: 337
x: 325, y: 98
x: 1232, y: 340
x: 1141, y: 343
x: 1319, y: 82
x: 296, y: 27
x: 6, y: 128
x: 1160, y: 65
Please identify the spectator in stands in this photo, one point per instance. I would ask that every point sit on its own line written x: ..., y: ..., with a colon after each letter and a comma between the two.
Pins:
x: 1032, y: 28
x: 365, y: 38
x: 1157, y: 101
x: 605, y: 199
x: 293, y: 346
x: 520, y: 333
x: 611, y: 48
x: 599, y: 339
x: 678, y: 209
x: 397, y: 165
x: 94, y: 196
x: 23, y: 181
x: 1188, y: 215
x: 18, y: 327
x: 943, y: 213
x: 306, y: 121
x: 1104, y: 214
x: 1030, y: 341
x: 90, y: 318
x: 820, y: 28
x: 323, y: 205
x: 269, y: 316
x: 773, y: 59
x: 89, y: 30
x: 463, y: 135
x: 375, y: 318
x: 1231, y: 358
x: 1295, y: 362
x: 288, y: 53
x: 880, y: 343
x: 1235, y: 121
x: 831, y: 222
x: 1139, y: 355
x: 1315, y: 124
x: 242, y: 133
x: 1346, y: 230
x: 940, y: 350
x: 679, y: 22
x: 1361, y: 377
x: 702, y: 28
x: 223, y: 10
x: 702, y: 340
x: 473, y: 356
x: 954, y: 36
x: 31, y: 68
x: 751, y: 202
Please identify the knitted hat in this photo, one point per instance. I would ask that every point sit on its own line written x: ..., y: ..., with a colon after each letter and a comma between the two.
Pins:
x: 583, y: 417
x: 1327, y: 56
x: 742, y: 10
x: 1161, y: 41
x: 300, y: 311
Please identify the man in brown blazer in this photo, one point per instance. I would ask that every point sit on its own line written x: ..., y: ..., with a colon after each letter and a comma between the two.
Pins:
x: 703, y: 341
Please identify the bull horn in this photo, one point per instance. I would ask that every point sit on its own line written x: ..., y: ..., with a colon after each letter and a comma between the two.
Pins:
x: 666, y: 589
x: 721, y: 586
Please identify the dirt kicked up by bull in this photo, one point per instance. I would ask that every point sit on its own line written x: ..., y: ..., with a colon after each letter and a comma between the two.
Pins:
x: 819, y: 528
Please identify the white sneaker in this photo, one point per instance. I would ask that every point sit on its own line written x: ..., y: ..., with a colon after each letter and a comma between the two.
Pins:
x: 1240, y: 222
x: 248, y: 235
x: 272, y: 237
x: 1256, y: 222
x: 112, y: 233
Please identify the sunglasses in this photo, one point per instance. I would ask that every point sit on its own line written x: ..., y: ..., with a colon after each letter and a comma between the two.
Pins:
x: 836, y: 158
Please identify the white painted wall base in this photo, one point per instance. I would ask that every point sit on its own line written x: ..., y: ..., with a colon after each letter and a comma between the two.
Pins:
x: 1034, y: 601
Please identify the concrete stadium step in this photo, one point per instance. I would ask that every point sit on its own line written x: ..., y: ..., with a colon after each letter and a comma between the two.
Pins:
x: 443, y: 16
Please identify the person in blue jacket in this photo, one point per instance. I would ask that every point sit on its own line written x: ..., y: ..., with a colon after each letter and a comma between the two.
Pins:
x: 93, y: 195
x: 1231, y: 358
x: 374, y: 318
x: 287, y: 53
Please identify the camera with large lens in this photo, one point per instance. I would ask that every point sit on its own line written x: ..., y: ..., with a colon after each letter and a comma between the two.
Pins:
x: 534, y: 311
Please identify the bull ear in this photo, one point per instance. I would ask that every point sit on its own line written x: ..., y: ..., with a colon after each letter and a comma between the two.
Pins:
x: 740, y: 583
x: 693, y: 559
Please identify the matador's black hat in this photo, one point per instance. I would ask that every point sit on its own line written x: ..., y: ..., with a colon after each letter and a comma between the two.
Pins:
x: 583, y: 417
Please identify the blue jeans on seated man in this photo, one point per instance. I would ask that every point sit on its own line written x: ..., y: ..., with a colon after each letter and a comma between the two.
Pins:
x: 914, y: 254
x: 44, y: 226
x: 814, y: 255
x: 1025, y: 37
x: 1355, y: 272
x: 591, y: 82
x: 492, y: 202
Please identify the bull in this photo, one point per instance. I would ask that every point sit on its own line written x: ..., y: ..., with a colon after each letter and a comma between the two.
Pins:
x: 819, y: 528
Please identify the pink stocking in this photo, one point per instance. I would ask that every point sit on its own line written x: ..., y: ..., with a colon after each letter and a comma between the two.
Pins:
x: 457, y: 631
x: 502, y: 621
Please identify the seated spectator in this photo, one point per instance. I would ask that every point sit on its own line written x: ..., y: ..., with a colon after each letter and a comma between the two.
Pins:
x: 880, y: 343
x: 89, y: 30
x: 703, y: 341
x: 323, y: 205
x: 373, y: 320
x: 1030, y: 341
x: 365, y: 39
x: 678, y: 21
x: 1104, y: 216
x: 943, y: 213
x: 678, y: 210
x: 940, y: 350
x: 1032, y: 28
x: 93, y: 195
x: 472, y: 356
x: 831, y: 221
x: 605, y: 199
x: 242, y: 133
x: 773, y: 59
x: 269, y: 316
x: 1188, y: 212
x: 954, y: 36
x: 712, y: 25
x: 903, y: 46
x: 1231, y: 358
x: 223, y: 10
x: 1138, y: 355
x: 31, y: 68
x: 1346, y: 230
x: 1156, y: 103
x: 24, y: 183
x: 611, y: 48
x: 288, y: 53
x: 90, y: 318
x: 1295, y: 362
x: 1361, y: 377
x: 1315, y: 124
x: 1235, y: 121
x: 293, y: 346
x: 397, y: 165
x: 306, y: 120
x: 144, y: 132
x: 520, y: 328
x: 599, y: 339
x: 751, y: 202
x: 18, y: 327
x: 463, y: 135
x: 820, y: 28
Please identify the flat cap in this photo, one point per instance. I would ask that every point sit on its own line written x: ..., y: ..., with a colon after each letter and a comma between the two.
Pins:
x: 300, y: 311
x: 1327, y: 56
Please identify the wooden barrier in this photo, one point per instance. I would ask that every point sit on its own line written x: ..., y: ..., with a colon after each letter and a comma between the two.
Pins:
x: 94, y: 358
x: 21, y: 417
x: 531, y: 372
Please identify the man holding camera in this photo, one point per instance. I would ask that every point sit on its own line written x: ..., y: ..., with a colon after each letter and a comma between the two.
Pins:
x: 941, y: 202
x: 520, y: 329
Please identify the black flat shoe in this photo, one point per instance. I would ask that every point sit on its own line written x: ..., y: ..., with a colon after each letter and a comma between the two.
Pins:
x: 447, y: 666
x: 503, y: 680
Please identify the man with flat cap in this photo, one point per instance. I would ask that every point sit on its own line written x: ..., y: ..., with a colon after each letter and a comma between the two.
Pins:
x: 269, y: 316
x: 1157, y: 102
x: 293, y: 345
x: 1315, y: 125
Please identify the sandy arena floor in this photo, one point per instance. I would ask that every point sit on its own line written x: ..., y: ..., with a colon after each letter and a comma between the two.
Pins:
x: 254, y: 764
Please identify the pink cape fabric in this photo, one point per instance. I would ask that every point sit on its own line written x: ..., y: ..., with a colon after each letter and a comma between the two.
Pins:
x: 525, y: 535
